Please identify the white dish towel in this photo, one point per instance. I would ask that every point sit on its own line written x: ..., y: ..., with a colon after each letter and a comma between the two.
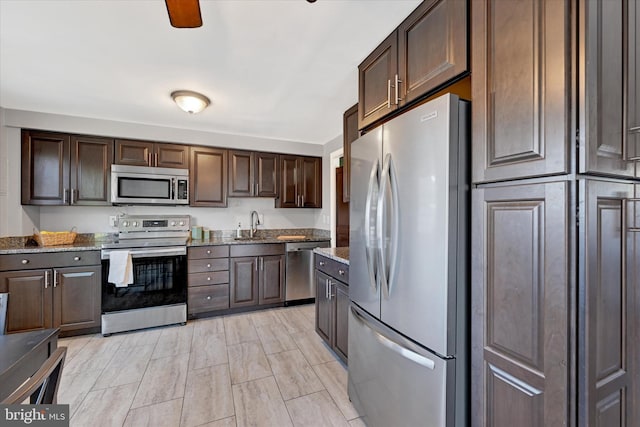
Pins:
x: 120, y: 268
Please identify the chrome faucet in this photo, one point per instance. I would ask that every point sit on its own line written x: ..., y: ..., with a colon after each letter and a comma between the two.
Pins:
x: 254, y: 225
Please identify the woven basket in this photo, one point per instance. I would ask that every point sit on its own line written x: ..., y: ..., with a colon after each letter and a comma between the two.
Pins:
x: 55, y: 238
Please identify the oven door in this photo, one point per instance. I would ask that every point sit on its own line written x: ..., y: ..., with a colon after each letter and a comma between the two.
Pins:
x: 159, y: 278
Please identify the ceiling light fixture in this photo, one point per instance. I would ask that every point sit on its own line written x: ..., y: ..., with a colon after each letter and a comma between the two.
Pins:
x: 189, y: 101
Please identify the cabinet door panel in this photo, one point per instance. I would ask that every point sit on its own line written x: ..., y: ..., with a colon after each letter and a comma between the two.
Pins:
x: 208, y: 177
x: 45, y: 168
x: 520, y: 89
x: 271, y: 279
x: 76, y: 297
x: 376, y: 74
x: 432, y: 46
x: 90, y: 178
x: 341, y: 295
x: 288, y: 195
x: 241, y: 173
x: 349, y: 134
x: 323, y: 307
x: 266, y: 169
x: 520, y: 303
x: 311, y: 182
x: 602, y: 120
x: 605, y: 324
x: 29, y: 306
x: 243, y: 282
x: 134, y: 153
x: 171, y: 156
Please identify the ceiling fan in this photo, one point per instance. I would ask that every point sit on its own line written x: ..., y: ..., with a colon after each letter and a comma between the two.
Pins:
x: 184, y: 13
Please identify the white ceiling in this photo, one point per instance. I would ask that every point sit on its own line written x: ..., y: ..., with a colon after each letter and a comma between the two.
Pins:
x: 283, y: 69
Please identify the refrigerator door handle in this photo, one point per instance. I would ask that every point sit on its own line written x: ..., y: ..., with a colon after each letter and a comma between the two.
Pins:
x: 388, y: 178
x: 371, y: 261
x: 394, y: 346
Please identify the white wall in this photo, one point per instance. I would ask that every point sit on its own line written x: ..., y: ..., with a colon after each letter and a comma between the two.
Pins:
x: 16, y: 219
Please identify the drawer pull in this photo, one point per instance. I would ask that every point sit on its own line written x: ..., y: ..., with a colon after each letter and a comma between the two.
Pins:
x: 208, y: 297
x: 341, y: 272
x: 76, y: 258
x: 209, y: 278
x: 25, y: 261
x: 208, y: 265
x: 208, y: 251
x: 321, y: 263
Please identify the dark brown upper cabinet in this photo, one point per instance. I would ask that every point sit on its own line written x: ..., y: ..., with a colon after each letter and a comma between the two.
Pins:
x: 300, y: 182
x: 349, y: 134
x: 609, y: 128
x: 62, y: 169
x: 208, y: 177
x: 148, y: 153
x: 426, y: 51
x: 520, y: 89
x: 252, y: 174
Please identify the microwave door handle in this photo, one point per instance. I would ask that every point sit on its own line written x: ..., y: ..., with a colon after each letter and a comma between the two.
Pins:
x: 174, y: 183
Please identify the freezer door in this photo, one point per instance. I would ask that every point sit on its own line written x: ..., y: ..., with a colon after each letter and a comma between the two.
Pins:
x: 418, y: 224
x: 393, y: 382
x: 365, y: 174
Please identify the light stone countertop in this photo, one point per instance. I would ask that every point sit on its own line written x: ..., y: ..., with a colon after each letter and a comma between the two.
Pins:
x: 337, y: 254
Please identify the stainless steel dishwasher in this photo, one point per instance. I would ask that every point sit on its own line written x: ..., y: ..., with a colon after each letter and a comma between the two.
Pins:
x: 300, y: 282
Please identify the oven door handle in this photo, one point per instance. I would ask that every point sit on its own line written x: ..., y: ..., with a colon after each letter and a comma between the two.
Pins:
x: 150, y: 253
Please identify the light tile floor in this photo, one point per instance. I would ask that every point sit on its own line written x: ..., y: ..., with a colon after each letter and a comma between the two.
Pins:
x: 266, y: 368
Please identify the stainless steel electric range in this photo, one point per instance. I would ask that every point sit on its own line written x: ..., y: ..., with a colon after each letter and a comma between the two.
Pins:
x: 158, y: 294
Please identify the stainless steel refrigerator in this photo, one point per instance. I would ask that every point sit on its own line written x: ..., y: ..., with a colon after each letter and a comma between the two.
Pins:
x: 408, y: 320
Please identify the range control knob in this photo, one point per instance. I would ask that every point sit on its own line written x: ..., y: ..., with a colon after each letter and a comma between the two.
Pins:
x: 125, y: 223
x: 173, y: 223
x: 181, y: 223
x: 135, y: 223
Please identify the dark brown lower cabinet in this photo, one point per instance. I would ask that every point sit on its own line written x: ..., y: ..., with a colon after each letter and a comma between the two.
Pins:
x: 521, y: 305
x: 256, y: 274
x: 67, y: 298
x: 208, y: 279
x: 609, y: 303
x: 332, y: 305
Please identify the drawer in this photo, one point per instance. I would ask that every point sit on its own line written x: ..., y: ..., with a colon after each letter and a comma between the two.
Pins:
x: 212, y: 278
x: 333, y: 268
x: 208, y: 252
x: 208, y: 298
x: 260, y: 249
x: 207, y: 265
x: 48, y: 260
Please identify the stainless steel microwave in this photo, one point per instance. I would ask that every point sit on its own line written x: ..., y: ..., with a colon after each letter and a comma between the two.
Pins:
x: 142, y: 185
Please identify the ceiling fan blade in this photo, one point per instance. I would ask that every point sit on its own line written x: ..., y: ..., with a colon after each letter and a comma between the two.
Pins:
x: 184, y: 13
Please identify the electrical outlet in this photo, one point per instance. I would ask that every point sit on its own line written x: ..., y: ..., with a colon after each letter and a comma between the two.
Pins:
x: 113, y: 220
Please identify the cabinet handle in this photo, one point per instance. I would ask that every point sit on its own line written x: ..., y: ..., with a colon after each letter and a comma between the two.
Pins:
x: 25, y: 261
x: 208, y: 297
x: 331, y: 294
x: 156, y: 159
x: 55, y: 278
x: 261, y: 264
x: 398, y: 81
x: 76, y: 258
x: 302, y: 198
x: 256, y: 193
x: 208, y: 265
x: 321, y: 263
x: 341, y: 272
x: 208, y: 252
x: 149, y: 154
x: 209, y: 278
x: 635, y: 129
x: 46, y: 279
x: 73, y: 192
x: 389, y: 93
x: 256, y: 263
x: 65, y: 197
x: 326, y: 288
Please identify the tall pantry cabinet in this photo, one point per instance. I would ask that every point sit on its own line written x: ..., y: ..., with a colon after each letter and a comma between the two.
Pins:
x: 555, y: 247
